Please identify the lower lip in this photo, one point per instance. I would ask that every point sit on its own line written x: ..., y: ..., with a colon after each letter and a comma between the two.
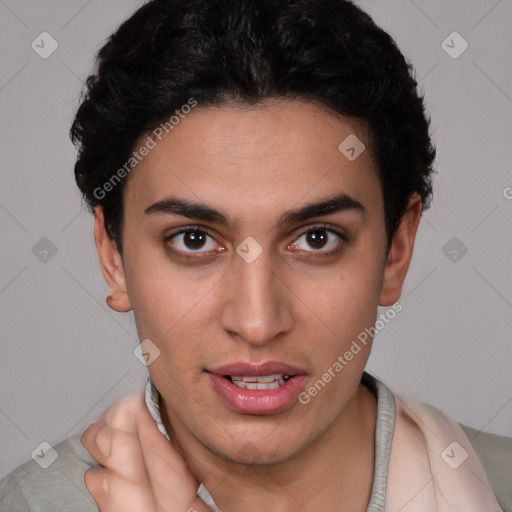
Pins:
x: 257, y: 401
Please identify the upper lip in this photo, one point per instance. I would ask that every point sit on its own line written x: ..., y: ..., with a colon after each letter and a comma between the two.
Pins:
x: 256, y: 370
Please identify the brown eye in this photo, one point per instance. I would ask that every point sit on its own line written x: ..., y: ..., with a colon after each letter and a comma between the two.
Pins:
x: 320, y: 239
x: 194, y: 240
x: 191, y: 241
x: 317, y: 239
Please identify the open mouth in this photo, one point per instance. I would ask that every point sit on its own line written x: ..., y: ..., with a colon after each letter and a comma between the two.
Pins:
x: 257, y: 389
x: 263, y: 382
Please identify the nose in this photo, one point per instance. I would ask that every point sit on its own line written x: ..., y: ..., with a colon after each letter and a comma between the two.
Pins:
x: 257, y: 302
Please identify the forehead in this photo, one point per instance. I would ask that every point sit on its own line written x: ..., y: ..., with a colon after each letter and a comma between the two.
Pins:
x: 256, y: 157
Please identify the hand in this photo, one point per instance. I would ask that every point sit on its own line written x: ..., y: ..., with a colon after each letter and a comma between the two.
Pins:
x: 141, y: 472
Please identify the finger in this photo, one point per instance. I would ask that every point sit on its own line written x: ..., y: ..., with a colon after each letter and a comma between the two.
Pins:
x: 126, y: 440
x: 113, y: 493
x: 198, y: 505
x: 113, y: 441
x: 169, y: 476
x: 96, y: 440
x: 118, y: 416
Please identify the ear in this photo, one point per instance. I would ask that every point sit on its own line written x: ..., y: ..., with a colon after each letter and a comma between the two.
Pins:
x: 111, y: 265
x: 400, y: 253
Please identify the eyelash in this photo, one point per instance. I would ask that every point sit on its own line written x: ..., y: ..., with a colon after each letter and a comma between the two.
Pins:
x: 318, y: 253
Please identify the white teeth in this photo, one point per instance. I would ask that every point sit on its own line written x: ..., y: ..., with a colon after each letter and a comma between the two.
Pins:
x: 259, y: 382
x: 257, y: 385
x: 266, y: 379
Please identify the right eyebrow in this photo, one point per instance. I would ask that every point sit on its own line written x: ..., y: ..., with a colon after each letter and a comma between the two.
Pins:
x: 177, y: 206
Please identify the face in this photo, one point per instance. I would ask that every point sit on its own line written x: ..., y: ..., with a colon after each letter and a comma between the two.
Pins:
x: 254, y: 247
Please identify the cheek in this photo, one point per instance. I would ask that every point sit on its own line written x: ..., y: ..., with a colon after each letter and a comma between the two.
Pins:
x: 346, y: 301
x: 165, y: 303
x: 345, y: 298
x: 348, y: 310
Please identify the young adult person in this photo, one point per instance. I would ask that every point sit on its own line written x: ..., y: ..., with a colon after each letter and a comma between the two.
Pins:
x: 257, y: 170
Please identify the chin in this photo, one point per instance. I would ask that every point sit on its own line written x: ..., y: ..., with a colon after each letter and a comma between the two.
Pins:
x: 257, y: 452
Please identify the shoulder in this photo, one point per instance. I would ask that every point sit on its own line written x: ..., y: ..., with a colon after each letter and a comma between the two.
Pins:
x: 432, y: 450
x: 495, y: 454
x: 58, y: 488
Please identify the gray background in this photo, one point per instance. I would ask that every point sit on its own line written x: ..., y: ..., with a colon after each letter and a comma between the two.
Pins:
x: 66, y: 357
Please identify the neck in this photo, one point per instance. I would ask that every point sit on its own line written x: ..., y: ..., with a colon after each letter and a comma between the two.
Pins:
x: 334, y: 472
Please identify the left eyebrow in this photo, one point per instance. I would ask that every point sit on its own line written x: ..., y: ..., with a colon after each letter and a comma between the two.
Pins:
x: 334, y: 204
x: 201, y: 211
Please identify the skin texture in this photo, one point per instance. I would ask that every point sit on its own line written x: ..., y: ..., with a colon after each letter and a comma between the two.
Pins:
x: 291, y: 304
